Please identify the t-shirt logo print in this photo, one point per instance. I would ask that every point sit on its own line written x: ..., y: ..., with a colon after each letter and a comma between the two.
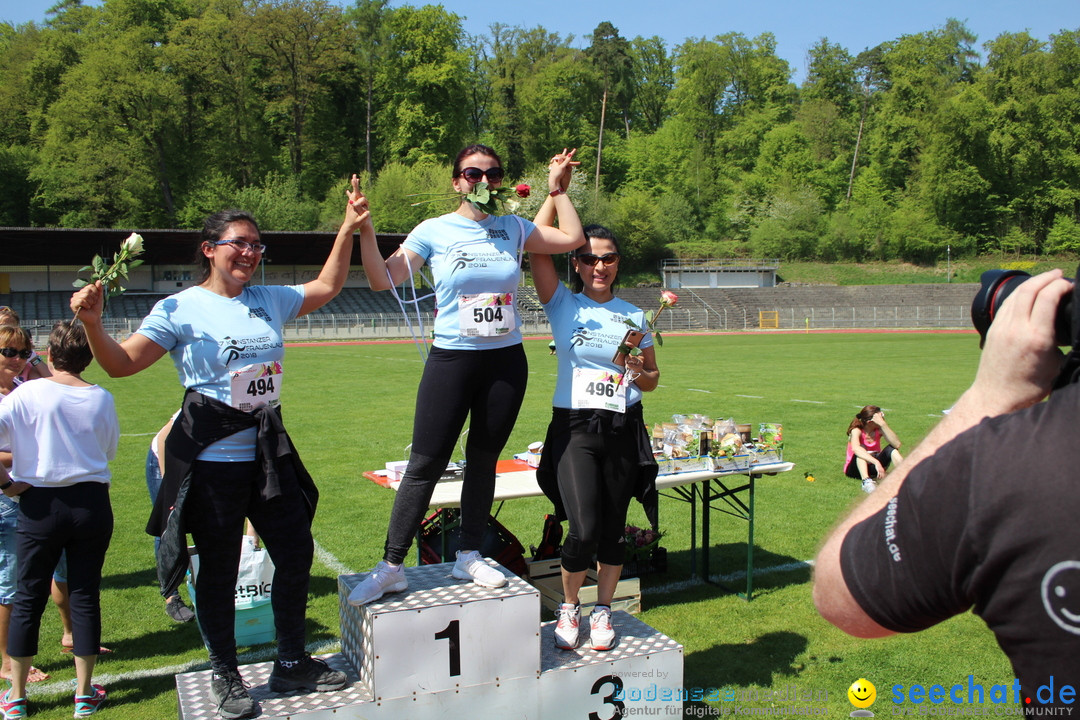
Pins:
x: 231, y: 350
x: 461, y: 261
x: 1061, y: 595
x: 580, y: 336
x: 258, y: 312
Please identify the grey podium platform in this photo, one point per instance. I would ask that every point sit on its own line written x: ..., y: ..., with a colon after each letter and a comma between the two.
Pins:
x: 446, y: 648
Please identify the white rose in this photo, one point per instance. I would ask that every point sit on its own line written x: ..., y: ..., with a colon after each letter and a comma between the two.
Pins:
x: 133, y: 245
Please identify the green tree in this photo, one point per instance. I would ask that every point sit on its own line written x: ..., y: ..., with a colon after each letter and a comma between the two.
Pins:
x: 610, y: 53
x: 301, y: 44
x: 654, y: 77
x: 367, y: 20
x: 424, y: 115
x: 117, y: 165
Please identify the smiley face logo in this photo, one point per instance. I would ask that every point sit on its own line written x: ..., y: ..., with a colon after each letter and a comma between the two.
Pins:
x: 1061, y: 595
x: 862, y: 693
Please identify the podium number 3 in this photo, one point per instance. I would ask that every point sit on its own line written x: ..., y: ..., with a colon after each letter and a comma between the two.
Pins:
x: 616, y: 682
x: 452, y: 633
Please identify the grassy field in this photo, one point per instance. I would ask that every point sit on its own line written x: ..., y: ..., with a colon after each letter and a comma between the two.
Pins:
x: 349, y: 409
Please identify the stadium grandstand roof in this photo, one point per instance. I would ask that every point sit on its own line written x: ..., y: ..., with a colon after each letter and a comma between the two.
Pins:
x: 77, y: 246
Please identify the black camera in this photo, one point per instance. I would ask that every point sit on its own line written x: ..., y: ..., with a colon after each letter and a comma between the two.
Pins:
x: 998, y: 285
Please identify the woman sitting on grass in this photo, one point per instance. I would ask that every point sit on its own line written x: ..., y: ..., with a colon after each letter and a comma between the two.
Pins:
x: 866, y: 459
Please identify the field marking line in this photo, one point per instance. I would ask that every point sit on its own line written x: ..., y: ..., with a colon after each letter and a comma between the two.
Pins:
x: 138, y: 434
x: 729, y: 578
x: 60, y: 687
x: 812, y: 402
x: 327, y: 558
x: 697, y: 390
x: 754, y: 397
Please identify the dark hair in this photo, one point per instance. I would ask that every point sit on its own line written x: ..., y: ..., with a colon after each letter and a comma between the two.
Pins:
x: 213, y: 228
x: 473, y: 150
x: 15, y: 332
x: 68, y: 348
x: 595, y: 232
x: 863, y: 417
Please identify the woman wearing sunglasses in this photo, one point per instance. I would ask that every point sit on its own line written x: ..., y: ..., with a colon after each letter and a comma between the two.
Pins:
x: 477, y: 366
x: 227, y: 455
x: 597, y: 452
x: 35, y: 367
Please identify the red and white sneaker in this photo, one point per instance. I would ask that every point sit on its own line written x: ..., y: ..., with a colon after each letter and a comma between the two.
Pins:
x: 12, y: 708
x: 601, y: 634
x: 566, y: 629
x: 87, y: 705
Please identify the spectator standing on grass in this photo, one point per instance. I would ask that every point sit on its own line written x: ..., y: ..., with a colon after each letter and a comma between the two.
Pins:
x: 866, y: 459
x: 477, y: 367
x: 62, y: 432
x: 596, y: 446
x: 16, y: 348
x: 228, y: 456
x: 982, y: 514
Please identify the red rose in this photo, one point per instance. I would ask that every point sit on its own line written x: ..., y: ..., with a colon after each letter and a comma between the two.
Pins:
x: 523, y: 190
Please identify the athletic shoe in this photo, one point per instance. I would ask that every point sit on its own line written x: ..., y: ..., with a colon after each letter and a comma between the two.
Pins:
x: 12, y: 709
x: 230, y: 693
x: 382, y: 579
x: 87, y: 705
x: 566, y: 629
x: 601, y: 634
x: 308, y: 674
x: 868, y: 485
x: 177, y: 610
x: 471, y: 566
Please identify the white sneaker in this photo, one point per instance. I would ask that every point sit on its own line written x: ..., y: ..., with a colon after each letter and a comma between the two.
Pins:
x: 868, y: 485
x: 601, y: 634
x: 471, y: 566
x: 382, y: 579
x: 566, y: 629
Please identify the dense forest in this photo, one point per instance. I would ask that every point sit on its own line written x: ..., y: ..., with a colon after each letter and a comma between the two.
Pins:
x: 154, y: 113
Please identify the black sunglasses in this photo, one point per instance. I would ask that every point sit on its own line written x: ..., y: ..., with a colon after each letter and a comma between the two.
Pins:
x: 475, y: 175
x: 10, y: 352
x: 590, y: 259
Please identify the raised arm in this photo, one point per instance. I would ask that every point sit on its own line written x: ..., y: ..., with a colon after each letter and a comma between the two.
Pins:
x: 887, y: 431
x: 331, y: 278
x: 136, y: 353
x: 554, y: 240
x: 385, y: 274
x: 1017, y: 369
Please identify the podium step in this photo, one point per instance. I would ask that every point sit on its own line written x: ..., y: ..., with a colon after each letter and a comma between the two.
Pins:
x: 446, y: 648
x: 193, y: 690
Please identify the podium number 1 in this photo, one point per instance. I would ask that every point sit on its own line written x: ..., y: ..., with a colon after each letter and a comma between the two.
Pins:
x: 452, y: 633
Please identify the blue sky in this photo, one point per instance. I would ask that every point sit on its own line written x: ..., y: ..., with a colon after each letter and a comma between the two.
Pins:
x: 797, y: 24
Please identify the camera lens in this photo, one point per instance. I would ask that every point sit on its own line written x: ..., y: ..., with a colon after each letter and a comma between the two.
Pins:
x: 996, y: 285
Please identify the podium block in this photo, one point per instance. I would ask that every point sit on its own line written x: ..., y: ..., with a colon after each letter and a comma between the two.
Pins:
x: 441, y: 633
x: 643, y: 670
x: 400, y: 654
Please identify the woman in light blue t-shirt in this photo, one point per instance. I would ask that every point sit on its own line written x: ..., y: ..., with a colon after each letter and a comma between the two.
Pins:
x: 228, y: 454
x: 596, y: 446
x: 477, y: 367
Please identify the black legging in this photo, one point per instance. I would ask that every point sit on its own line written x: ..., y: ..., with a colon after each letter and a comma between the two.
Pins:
x: 596, y: 474
x: 487, y: 385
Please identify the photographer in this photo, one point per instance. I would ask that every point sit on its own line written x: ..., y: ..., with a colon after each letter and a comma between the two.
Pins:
x: 981, y: 514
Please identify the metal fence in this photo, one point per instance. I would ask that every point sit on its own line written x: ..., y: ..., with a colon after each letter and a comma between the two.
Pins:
x: 700, y: 318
